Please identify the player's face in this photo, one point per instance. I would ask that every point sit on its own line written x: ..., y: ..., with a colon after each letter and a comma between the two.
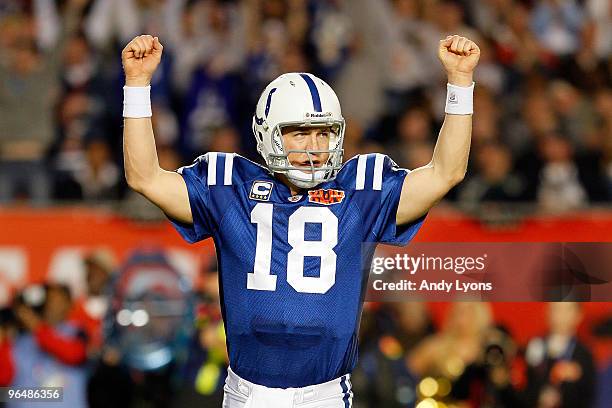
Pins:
x: 307, y: 138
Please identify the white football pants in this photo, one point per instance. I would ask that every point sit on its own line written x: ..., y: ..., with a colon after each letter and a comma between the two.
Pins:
x: 240, y: 393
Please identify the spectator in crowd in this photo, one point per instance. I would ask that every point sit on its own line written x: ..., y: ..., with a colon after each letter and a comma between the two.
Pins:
x: 489, y: 16
x: 362, y: 104
x: 518, y: 49
x: 165, y: 125
x: 100, y: 179
x: 409, y: 46
x: 203, y: 375
x: 414, y: 129
x: 29, y: 76
x: 86, y: 171
x: 557, y: 25
x: 382, y: 378
x: 51, y: 350
x: 491, y: 74
x: 559, y: 186
x: 210, y: 104
x: 415, y: 125
x: 111, y: 21
x: 224, y: 139
x: 488, y: 382
x: 456, y: 346
x: 273, y: 27
x: 81, y: 68
x: 600, y: 13
x: 494, y: 179
x: 331, y: 35
x: 355, y: 141
x: 209, y: 35
x: 91, y: 308
x: 585, y: 69
x: 449, y: 16
x: 576, y: 115
x: 537, y: 118
x: 419, y: 155
x: 561, y: 372
x: 69, y: 150
x: 488, y: 126
x: 538, y: 113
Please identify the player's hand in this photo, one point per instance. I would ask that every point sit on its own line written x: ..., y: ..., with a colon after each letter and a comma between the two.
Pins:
x: 140, y: 59
x: 459, y: 56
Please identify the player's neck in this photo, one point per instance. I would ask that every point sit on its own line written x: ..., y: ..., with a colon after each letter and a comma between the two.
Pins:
x: 295, y: 190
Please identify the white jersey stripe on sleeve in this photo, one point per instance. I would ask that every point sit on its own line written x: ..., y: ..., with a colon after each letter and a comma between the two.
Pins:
x: 229, y: 166
x: 378, y: 171
x: 361, y: 172
x: 212, y: 168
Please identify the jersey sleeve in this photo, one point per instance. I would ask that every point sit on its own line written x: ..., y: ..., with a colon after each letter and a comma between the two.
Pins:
x: 382, y: 180
x: 198, y: 177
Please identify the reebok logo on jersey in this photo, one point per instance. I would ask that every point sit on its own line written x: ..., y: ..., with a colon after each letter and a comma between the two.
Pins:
x: 261, y: 190
x: 326, y: 197
x: 294, y: 199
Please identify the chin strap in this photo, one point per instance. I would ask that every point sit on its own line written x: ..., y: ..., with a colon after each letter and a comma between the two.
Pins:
x: 305, y: 180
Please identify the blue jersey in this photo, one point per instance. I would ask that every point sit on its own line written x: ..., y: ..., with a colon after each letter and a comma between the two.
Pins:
x: 292, y: 274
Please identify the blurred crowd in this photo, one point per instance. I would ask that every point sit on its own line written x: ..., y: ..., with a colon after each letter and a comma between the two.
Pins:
x: 103, y: 346
x: 105, y: 358
x: 542, y: 125
x: 470, y: 360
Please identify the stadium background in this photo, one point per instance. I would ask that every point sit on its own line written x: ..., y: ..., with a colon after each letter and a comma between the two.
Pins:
x: 540, y: 170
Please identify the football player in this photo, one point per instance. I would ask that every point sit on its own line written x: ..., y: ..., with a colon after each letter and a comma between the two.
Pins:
x: 289, y: 233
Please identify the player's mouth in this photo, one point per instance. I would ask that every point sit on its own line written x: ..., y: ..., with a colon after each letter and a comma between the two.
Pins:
x: 305, y: 165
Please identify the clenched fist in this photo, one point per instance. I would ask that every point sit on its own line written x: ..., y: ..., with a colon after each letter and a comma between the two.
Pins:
x: 140, y: 58
x: 459, y: 56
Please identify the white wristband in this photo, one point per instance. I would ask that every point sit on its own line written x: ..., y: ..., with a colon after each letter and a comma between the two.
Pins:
x: 459, y: 99
x: 137, y: 102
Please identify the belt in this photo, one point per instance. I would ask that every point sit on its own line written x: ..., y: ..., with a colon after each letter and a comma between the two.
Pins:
x: 335, y: 387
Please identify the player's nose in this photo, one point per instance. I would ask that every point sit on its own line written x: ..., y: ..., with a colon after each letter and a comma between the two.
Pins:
x: 314, y: 142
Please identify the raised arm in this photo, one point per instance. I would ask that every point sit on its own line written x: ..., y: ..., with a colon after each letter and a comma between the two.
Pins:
x: 166, y: 189
x: 425, y: 186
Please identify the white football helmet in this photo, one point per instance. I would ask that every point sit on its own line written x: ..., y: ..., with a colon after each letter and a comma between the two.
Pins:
x: 298, y: 99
